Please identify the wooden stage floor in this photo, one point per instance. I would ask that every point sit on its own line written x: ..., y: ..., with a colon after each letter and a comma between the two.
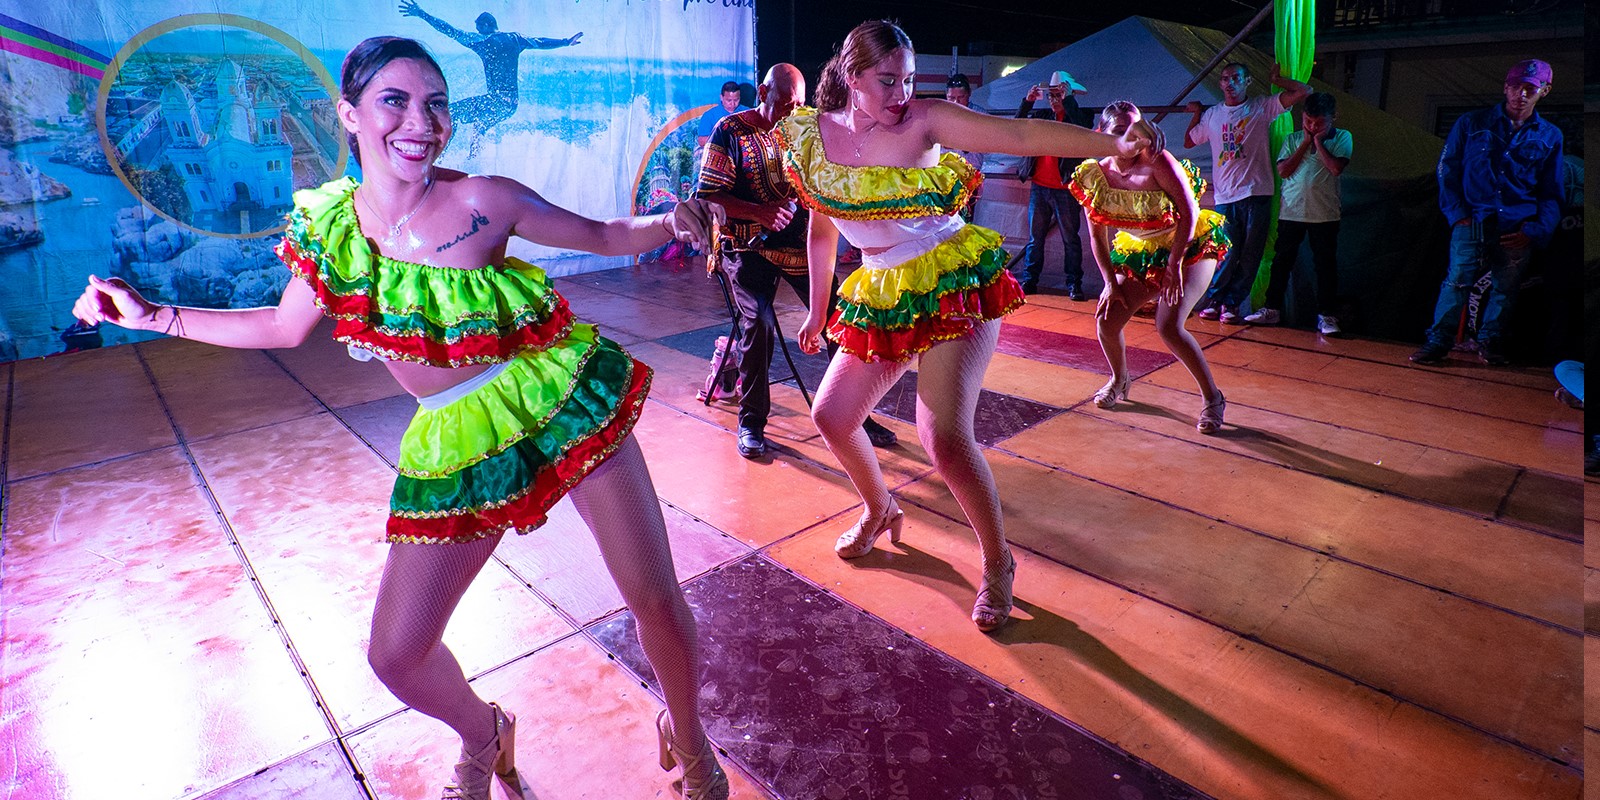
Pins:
x: 1367, y: 586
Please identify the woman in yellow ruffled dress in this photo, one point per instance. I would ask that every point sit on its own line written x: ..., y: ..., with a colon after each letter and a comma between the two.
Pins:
x: 868, y: 164
x: 1167, y: 247
x: 519, y: 402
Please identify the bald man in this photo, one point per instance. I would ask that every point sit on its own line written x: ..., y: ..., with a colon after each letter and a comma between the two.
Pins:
x: 765, y: 240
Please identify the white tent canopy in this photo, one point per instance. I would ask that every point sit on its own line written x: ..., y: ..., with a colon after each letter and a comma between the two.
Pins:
x: 1391, y: 220
x: 1149, y: 60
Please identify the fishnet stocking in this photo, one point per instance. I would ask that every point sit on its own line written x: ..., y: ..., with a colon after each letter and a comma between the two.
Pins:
x: 849, y: 390
x: 1169, y: 324
x: 423, y: 583
x: 949, y: 377
x: 619, y: 504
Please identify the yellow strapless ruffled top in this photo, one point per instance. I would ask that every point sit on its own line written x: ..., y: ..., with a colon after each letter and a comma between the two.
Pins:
x: 869, y: 192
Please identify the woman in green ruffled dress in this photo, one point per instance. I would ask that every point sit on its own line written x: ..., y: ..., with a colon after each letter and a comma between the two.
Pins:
x: 520, y: 403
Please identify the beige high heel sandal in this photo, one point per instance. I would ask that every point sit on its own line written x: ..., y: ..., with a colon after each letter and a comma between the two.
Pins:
x: 713, y: 787
x: 995, y: 599
x: 496, y: 759
x: 858, y: 541
x: 1211, y: 416
x: 1111, y: 393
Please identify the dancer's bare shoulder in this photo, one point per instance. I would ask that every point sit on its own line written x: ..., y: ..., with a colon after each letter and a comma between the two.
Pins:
x: 488, y: 192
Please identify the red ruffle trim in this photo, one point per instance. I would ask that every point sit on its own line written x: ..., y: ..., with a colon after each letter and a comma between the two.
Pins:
x: 1157, y: 278
x: 529, y: 511
x: 957, y: 313
x: 351, y: 312
x: 1211, y: 249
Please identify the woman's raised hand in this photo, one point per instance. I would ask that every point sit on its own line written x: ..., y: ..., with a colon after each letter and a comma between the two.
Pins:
x: 1133, y: 143
x: 692, y: 221
x: 113, y: 301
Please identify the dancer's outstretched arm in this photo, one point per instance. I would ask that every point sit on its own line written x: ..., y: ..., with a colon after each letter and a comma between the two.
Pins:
x: 290, y: 322
x: 955, y: 127
x: 284, y: 325
x: 539, y: 220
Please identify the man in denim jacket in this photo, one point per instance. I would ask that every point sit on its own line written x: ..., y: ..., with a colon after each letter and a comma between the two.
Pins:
x: 1500, y: 188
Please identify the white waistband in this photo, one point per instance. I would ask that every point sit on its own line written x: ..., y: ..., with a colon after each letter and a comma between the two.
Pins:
x: 905, y: 251
x: 434, y: 402
x: 362, y: 355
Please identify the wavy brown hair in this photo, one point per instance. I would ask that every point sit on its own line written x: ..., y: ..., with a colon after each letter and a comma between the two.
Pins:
x: 867, y: 44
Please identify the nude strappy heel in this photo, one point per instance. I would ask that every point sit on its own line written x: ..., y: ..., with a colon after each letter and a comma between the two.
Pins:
x: 496, y: 759
x: 1211, y: 416
x: 713, y: 787
x: 1112, y: 393
x: 995, y: 598
x: 858, y: 541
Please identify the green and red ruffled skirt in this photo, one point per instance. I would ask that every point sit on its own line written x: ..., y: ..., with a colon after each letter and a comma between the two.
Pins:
x: 892, y: 314
x: 501, y: 456
x: 1146, y: 259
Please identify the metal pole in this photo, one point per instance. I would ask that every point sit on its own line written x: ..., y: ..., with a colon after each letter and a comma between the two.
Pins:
x: 1221, y: 54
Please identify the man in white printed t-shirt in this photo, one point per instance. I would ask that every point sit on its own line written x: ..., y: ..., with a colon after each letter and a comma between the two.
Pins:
x: 1310, y: 163
x: 1241, y: 177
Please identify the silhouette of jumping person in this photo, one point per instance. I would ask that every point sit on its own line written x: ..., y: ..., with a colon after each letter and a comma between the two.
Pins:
x: 499, y: 51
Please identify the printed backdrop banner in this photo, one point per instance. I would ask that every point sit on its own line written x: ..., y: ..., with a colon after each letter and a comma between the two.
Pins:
x: 160, y: 141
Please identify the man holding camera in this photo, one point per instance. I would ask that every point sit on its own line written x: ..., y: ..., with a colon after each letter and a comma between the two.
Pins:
x: 1049, y: 201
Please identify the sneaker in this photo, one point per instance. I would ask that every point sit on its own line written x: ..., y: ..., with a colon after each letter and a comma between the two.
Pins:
x: 1263, y: 316
x: 1328, y: 326
x: 1431, y: 353
x: 1493, y: 356
x: 1075, y: 293
x: 1209, y: 312
x: 723, y: 386
x: 1230, y: 316
x: 1030, y: 288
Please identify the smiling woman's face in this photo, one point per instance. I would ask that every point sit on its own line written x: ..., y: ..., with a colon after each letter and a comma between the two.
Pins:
x: 402, y: 119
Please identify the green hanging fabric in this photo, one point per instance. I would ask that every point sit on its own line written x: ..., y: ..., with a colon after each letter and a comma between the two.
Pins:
x: 1294, y: 42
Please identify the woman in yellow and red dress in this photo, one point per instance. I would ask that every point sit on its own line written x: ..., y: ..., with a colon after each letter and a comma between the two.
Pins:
x: 867, y: 162
x: 1167, y: 247
x: 520, y: 403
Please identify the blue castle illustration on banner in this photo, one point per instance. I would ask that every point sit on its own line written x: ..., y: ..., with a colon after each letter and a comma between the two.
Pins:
x: 242, y: 141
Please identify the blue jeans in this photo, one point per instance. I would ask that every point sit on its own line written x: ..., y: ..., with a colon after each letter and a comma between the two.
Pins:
x: 1248, y: 220
x: 1472, y: 251
x: 1057, y: 206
